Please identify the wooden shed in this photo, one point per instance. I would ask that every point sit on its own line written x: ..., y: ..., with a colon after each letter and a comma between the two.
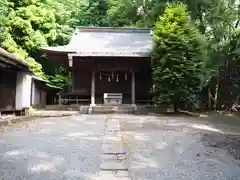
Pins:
x: 15, y: 83
x: 43, y: 93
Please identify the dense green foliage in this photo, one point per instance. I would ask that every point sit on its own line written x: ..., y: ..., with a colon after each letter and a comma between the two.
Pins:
x: 179, y: 58
x: 27, y: 25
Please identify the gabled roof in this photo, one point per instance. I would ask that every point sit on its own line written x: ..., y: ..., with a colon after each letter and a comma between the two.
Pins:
x: 10, y: 60
x: 108, y: 42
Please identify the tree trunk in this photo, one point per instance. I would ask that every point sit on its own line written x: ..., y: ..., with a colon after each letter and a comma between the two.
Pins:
x: 209, y: 98
x: 176, y: 107
x: 213, y: 98
x: 216, y: 91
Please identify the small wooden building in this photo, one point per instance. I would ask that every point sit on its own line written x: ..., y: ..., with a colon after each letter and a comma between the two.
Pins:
x: 107, y: 62
x: 19, y: 88
x: 43, y: 93
x: 15, y: 83
x: 39, y: 94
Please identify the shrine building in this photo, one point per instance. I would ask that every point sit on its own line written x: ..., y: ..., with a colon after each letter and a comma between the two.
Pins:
x: 108, y: 65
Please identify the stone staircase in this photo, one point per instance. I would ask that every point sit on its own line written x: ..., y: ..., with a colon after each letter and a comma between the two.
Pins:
x: 111, y: 109
x: 73, y: 107
x: 98, y: 109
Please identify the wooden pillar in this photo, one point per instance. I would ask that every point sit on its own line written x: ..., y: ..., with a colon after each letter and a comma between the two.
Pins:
x: 59, y: 99
x: 133, y: 88
x: 93, y: 90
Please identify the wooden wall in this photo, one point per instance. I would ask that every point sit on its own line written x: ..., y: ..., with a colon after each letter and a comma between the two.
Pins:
x: 23, y: 90
x: 39, y: 94
x: 81, y: 81
x: 7, y: 90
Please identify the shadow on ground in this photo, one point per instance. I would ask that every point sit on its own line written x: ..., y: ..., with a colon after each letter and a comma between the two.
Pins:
x: 182, y: 147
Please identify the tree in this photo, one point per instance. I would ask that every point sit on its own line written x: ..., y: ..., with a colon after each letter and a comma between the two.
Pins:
x: 30, y: 25
x: 221, y: 22
x: 123, y: 13
x: 179, y: 58
x: 3, y: 11
x: 90, y: 13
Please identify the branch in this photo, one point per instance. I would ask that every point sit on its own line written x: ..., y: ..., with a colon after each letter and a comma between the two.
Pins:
x: 210, y: 95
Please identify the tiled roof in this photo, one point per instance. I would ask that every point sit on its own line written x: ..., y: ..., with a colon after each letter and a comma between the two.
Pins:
x: 9, y: 58
x: 108, y: 42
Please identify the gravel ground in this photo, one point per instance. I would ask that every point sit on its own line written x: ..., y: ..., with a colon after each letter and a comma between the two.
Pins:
x: 158, y: 148
x: 52, y: 148
x: 181, y: 148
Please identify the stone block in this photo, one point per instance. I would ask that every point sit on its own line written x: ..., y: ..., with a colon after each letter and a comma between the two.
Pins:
x: 123, y: 178
x: 121, y: 156
x: 121, y: 174
x: 113, y: 165
x: 114, y: 148
x: 113, y: 175
x: 109, y: 157
x: 112, y: 141
x: 113, y: 125
x: 112, y: 138
x: 113, y: 133
x: 106, y: 175
x: 115, y: 129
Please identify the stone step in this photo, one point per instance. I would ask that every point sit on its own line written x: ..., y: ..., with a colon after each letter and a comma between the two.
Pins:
x: 114, y: 175
x: 113, y: 148
x: 113, y: 109
x: 83, y: 109
x: 113, y: 165
x: 73, y: 107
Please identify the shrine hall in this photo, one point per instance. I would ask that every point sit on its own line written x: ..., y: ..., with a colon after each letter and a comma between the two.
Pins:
x: 108, y: 65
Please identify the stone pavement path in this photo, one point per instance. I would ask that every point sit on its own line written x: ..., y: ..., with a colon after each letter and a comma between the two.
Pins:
x: 114, y: 164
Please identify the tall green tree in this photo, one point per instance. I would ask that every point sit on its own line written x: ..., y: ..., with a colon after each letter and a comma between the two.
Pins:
x: 179, y: 58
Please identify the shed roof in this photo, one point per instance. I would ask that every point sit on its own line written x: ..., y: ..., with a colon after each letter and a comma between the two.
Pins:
x: 108, y: 42
x: 10, y: 59
x: 45, y: 82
